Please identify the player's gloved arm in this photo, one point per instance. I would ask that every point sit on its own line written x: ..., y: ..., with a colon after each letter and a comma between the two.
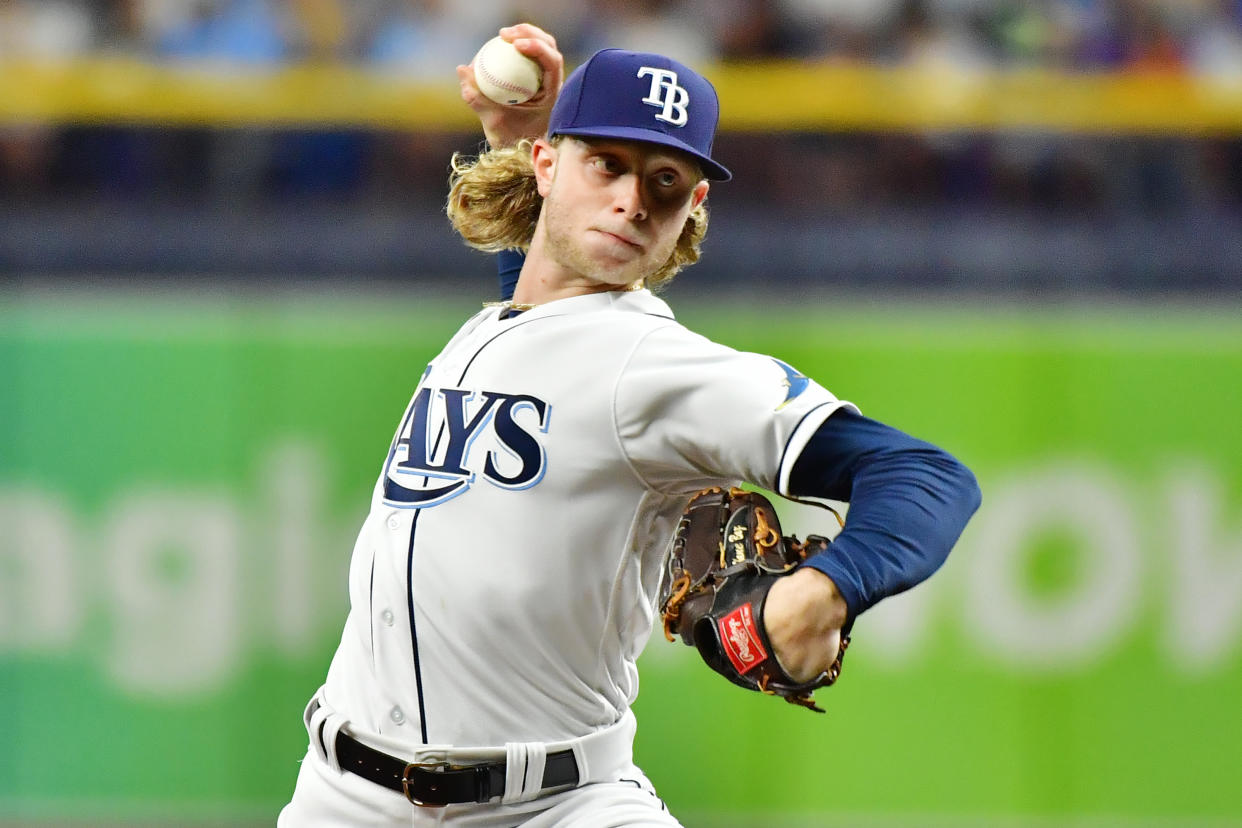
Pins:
x: 909, y: 502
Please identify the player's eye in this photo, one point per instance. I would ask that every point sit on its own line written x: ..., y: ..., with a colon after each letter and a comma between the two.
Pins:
x: 607, y: 164
x: 667, y: 178
x: 669, y: 187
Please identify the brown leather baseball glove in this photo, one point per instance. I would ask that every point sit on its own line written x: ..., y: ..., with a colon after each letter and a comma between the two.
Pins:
x: 726, y: 554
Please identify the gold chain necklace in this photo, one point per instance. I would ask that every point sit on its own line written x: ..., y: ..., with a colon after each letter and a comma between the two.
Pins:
x: 525, y: 306
x: 515, y: 306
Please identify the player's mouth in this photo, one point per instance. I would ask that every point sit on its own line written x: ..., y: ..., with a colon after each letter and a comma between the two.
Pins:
x: 626, y: 240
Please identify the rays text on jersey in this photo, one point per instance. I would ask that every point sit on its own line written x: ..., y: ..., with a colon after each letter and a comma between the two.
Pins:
x: 434, y: 459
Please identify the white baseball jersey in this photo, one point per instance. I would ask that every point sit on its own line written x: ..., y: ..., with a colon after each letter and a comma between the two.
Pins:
x: 505, y: 580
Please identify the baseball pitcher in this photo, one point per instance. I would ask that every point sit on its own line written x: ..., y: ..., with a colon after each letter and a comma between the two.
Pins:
x: 563, y: 481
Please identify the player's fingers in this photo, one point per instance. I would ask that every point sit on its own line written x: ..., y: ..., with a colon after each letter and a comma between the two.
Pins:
x: 550, y: 62
x: 527, y: 30
x: 551, y: 65
x: 470, y: 93
x: 469, y: 89
x: 539, y: 46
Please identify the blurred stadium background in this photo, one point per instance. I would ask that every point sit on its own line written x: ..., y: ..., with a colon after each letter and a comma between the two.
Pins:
x: 1014, y: 228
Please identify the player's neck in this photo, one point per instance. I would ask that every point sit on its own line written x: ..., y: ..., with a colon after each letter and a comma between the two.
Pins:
x: 532, y: 292
x: 543, y: 280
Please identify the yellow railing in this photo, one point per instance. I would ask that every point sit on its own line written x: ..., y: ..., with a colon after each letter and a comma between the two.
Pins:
x: 770, y: 96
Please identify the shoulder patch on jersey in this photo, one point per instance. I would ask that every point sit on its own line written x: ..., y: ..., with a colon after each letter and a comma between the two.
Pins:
x: 795, y: 383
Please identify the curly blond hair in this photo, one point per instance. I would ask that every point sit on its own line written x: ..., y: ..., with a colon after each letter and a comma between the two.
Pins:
x: 494, y: 203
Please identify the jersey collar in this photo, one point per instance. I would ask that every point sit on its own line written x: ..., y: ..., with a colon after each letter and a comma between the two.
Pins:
x: 630, y: 301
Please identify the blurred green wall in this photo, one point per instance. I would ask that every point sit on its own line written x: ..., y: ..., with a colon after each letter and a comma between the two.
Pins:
x: 181, y: 478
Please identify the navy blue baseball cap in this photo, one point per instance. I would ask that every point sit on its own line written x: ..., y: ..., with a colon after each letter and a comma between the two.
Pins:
x: 639, y: 96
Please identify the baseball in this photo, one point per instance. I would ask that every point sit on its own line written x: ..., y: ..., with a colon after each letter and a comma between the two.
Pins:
x: 504, y: 74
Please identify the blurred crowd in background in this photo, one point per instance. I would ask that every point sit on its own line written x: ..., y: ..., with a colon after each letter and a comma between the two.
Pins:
x: 423, y: 36
x: 841, y: 173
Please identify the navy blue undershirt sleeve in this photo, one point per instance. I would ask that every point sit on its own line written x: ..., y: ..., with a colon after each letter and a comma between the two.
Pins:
x: 508, y: 266
x: 909, y: 502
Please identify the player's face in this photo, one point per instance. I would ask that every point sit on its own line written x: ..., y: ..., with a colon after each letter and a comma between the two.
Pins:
x: 613, y: 210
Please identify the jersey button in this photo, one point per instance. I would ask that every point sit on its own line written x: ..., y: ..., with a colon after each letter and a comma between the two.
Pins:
x: 396, y: 715
x: 394, y: 522
x: 387, y: 617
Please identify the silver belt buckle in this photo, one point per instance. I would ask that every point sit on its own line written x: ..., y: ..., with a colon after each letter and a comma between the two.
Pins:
x: 432, y: 767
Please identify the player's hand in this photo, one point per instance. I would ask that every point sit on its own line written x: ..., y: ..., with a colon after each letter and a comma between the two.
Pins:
x: 504, y: 126
x: 803, y: 615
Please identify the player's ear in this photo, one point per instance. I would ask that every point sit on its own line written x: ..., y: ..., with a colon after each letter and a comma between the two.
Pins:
x: 699, y: 193
x: 543, y: 158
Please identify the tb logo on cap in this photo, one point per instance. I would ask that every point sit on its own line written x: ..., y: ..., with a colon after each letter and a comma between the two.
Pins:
x: 666, y: 94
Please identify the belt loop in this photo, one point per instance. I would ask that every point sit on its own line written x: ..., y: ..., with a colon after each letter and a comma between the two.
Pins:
x: 536, y: 762
x: 524, y: 765
x: 322, y: 726
x: 314, y: 718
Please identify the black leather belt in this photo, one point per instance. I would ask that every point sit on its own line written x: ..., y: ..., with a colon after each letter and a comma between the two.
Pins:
x: 436, y: 784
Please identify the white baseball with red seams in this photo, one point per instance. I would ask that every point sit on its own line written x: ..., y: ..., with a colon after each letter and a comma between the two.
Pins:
x: 504, y: 74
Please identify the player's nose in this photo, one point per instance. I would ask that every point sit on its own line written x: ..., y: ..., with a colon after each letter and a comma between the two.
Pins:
x: 629, y: 198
